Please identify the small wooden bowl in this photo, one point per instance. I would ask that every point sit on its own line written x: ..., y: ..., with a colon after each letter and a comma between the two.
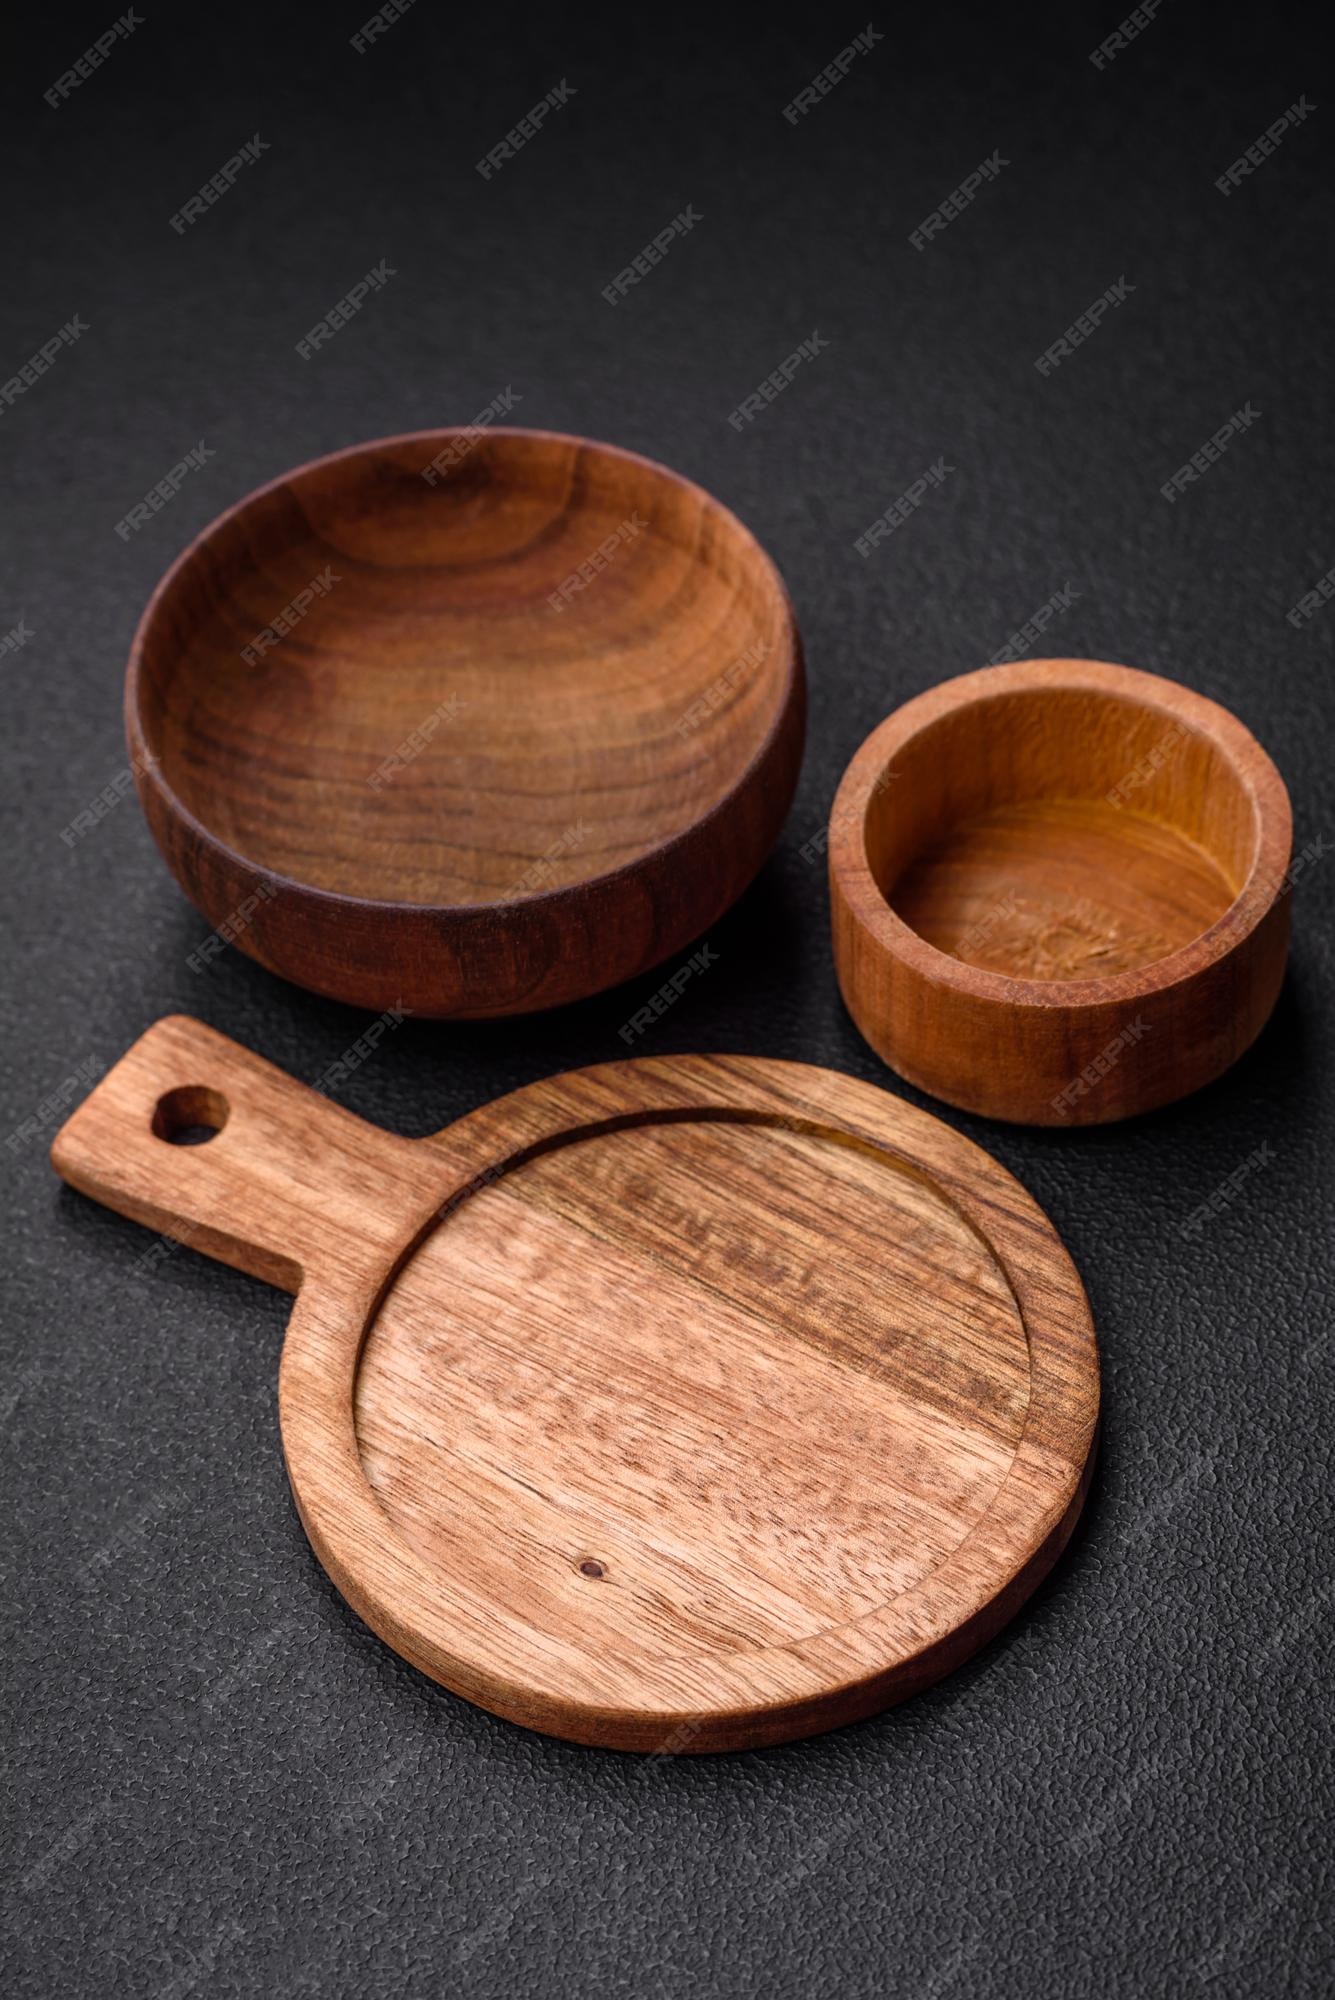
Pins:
x: 1058, y: 891
x: 471, y: 722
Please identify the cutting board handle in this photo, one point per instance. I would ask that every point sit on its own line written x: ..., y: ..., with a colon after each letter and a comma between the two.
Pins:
x: 286, y: 1183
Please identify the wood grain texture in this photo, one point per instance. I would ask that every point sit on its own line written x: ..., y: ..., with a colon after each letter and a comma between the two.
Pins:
x: 1058, y: 890
x: 672, y: 1405
x: 535, y: 724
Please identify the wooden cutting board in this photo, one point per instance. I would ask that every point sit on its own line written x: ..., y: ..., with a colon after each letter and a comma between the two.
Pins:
x: 673, y: 1405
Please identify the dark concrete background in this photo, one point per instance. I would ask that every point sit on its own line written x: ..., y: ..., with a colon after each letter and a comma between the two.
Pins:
x: 223, y: 1783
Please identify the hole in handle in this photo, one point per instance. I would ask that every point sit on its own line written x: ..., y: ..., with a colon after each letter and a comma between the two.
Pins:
x: 190, y: 1115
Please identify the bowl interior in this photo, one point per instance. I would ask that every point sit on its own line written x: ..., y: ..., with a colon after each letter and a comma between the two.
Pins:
x: 506, y: 671
x: 1060, y: 834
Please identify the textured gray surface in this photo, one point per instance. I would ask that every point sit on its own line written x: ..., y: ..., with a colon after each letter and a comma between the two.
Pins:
x: 223, y: 1783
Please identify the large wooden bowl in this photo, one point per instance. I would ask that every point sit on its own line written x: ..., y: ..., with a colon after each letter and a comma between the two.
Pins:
x: 1059, y: 890
x: 469, y: 722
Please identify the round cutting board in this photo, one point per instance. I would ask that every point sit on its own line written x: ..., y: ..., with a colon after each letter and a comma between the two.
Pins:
x: 673, y: 1405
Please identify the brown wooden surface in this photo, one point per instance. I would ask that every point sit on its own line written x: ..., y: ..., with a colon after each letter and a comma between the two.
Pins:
x: 1058, y: 890
x: 674, y: 1405
x: 437, y: 788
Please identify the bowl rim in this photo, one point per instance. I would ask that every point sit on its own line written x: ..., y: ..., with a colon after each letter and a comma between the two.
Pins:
x: 1255, y: 771
x: 333, y: 902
